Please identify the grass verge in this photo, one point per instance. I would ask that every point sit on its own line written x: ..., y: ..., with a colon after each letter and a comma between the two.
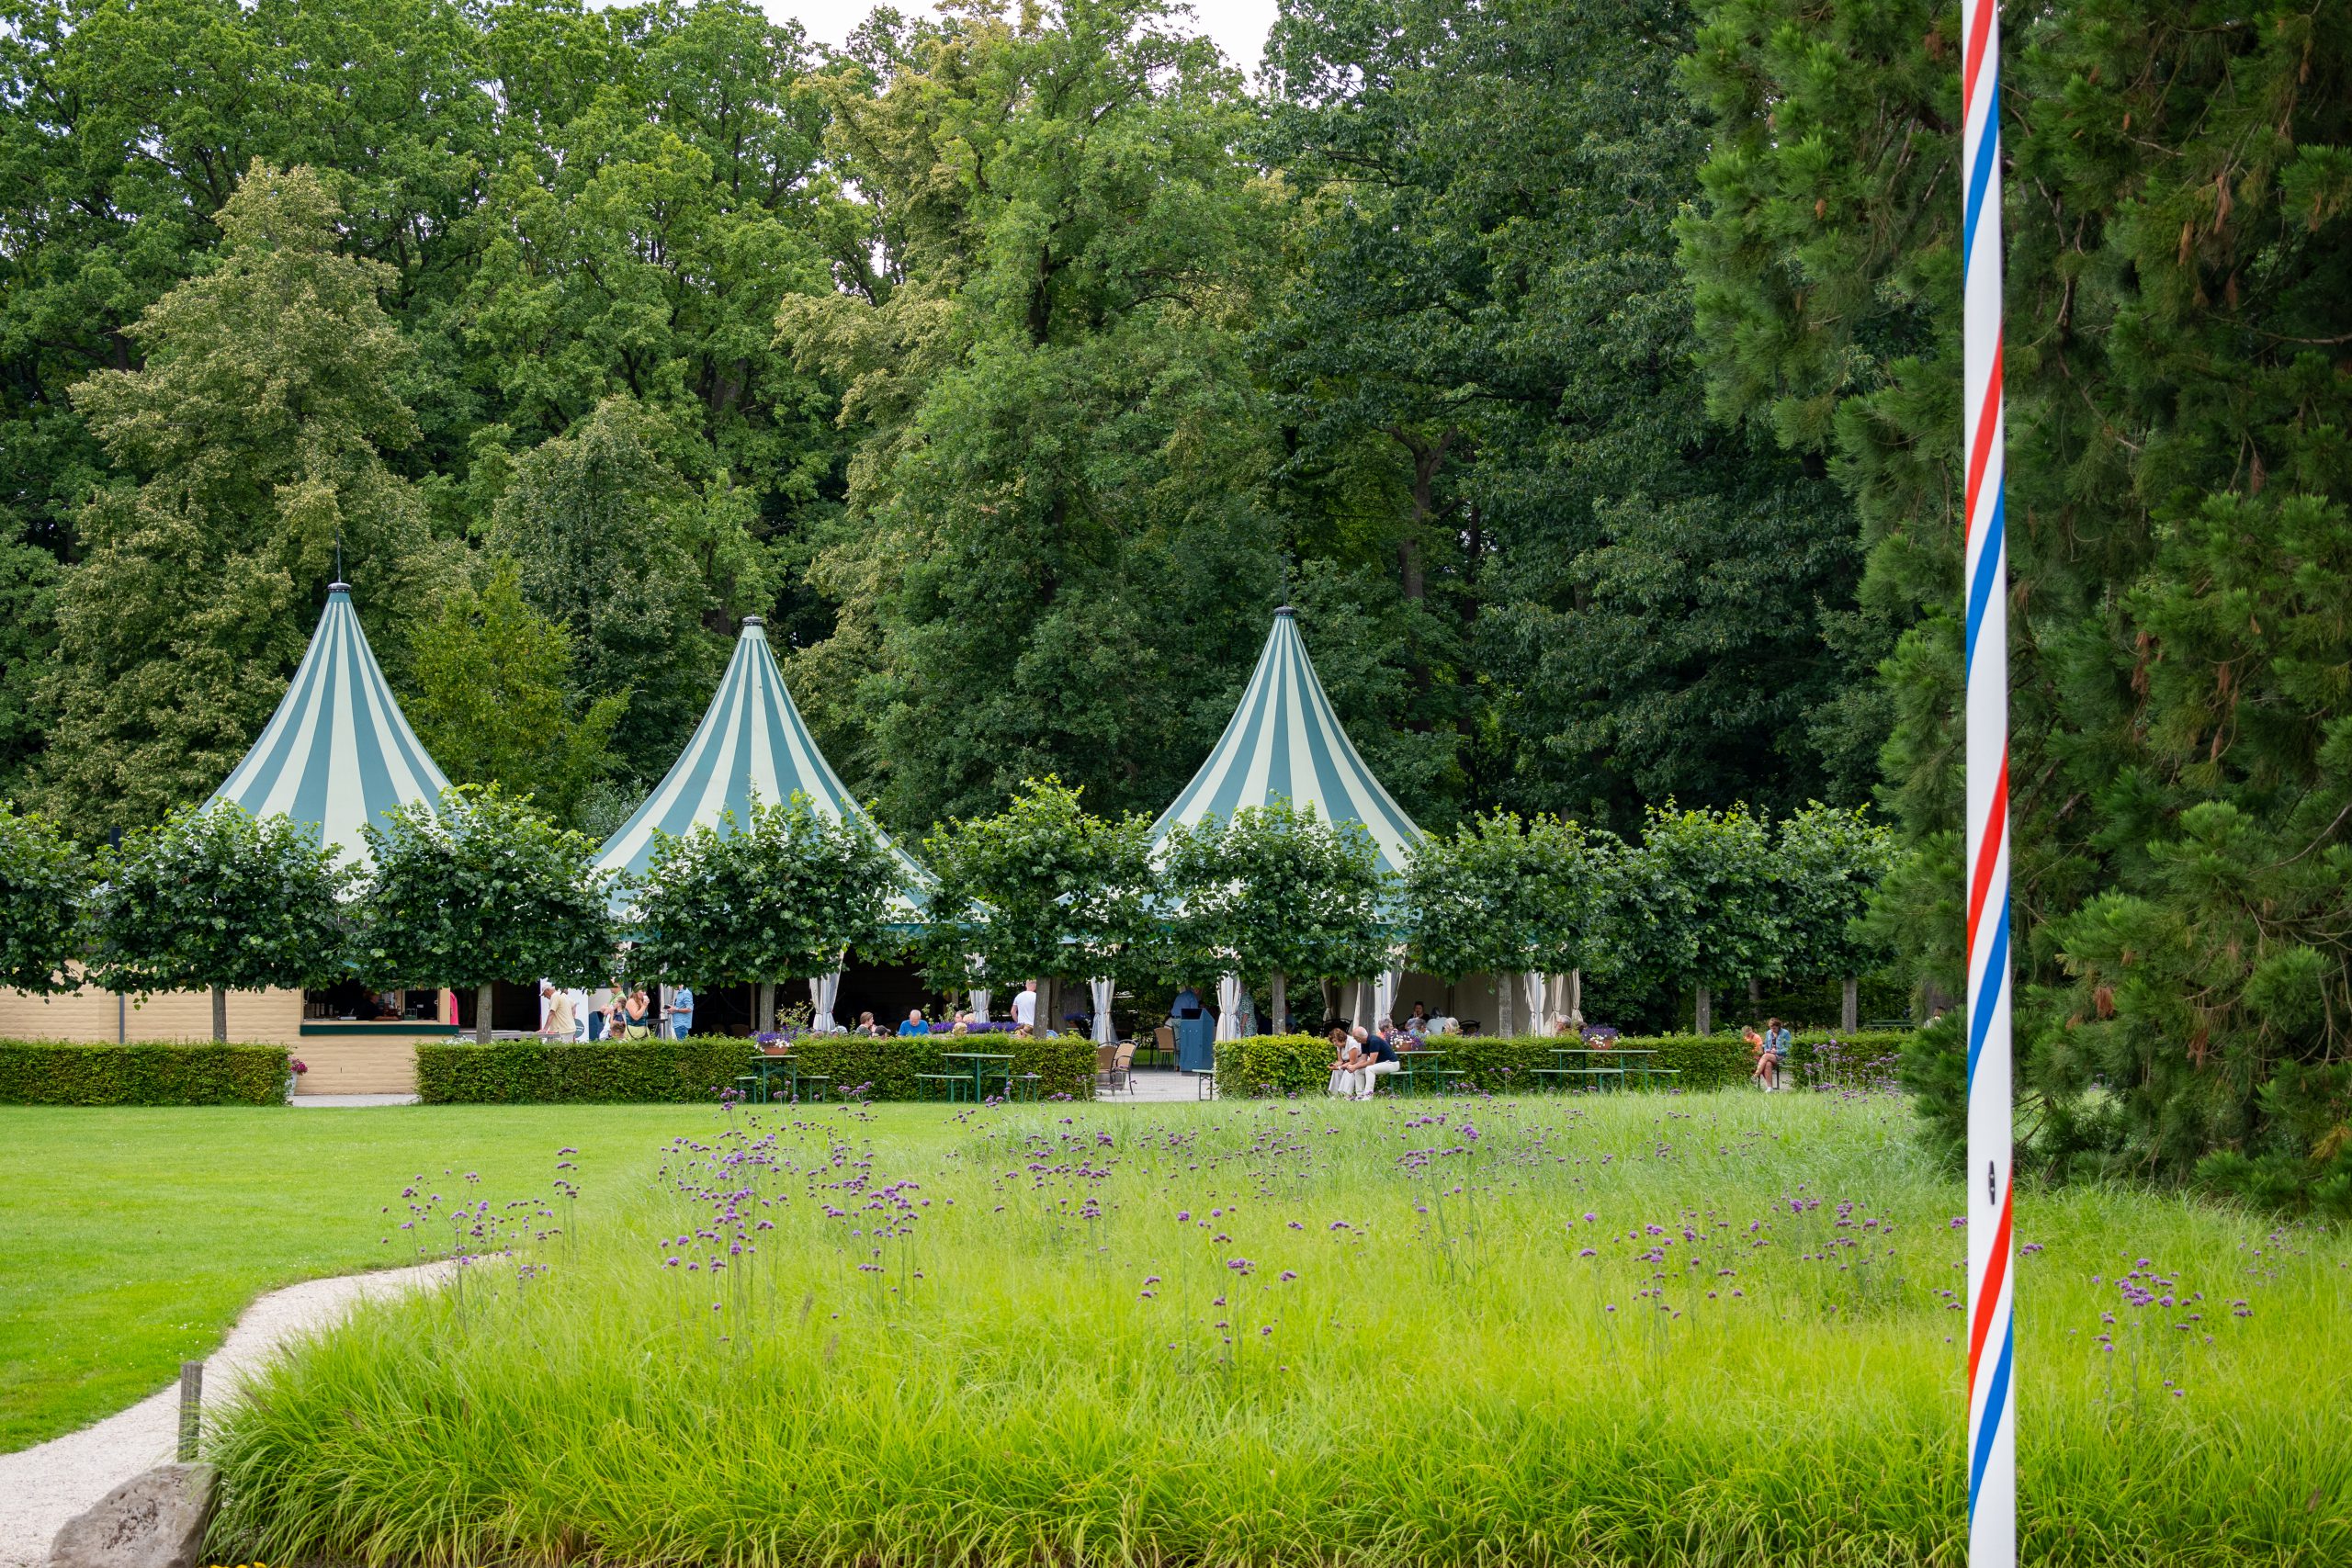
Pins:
x: 1711, y: 1329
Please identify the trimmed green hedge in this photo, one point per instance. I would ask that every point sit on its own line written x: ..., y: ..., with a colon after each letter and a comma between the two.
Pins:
x: 1288, y: 1064
x: 57, y: 1072
x: 532, y: 1072
x: 886, y: 1068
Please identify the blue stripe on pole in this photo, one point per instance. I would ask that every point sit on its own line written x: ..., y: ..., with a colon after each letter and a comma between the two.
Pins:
x: 1981, y: 586
x: 1980, y: 177
x: 1997, y: 1399
x: 1981, y: 1019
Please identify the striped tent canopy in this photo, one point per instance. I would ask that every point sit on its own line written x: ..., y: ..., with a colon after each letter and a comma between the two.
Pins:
x: 752, y: 741
x: 1285, y: 740
x: 338, y: 752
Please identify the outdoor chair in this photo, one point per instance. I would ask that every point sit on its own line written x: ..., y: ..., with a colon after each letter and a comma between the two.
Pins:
x: 1120, y: 1072
x: 1163, y: 1046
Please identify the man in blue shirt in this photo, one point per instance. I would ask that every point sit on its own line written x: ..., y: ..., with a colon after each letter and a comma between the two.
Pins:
x: 681, y: 1012
x: 916, y: 1023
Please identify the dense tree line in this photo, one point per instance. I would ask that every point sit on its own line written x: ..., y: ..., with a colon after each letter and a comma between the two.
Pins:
x: 1586, y: 370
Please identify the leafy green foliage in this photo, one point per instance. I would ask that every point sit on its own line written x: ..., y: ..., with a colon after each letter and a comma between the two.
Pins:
x: 1828, y: 865
x: 886, y: 1068
x: 217, y: 898
x: 43, y: 878
x: 1701, y: 902
x: 1301, y: 1064
x: 1503, y: 896
x: 48, y: 1072
x: 1276, y: 890
x: 1042, y: 889
x: 483, y: 890
x: 491, y: 677
x: 781, y: 896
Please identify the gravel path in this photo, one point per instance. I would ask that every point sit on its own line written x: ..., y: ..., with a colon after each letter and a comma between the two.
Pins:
x: 42, y: 1487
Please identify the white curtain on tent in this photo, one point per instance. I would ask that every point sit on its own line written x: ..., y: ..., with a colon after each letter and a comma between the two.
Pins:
x: 1103, y: 1032
x: 1384, y: 993
x: 1531, y: 987
x: 823, y: 989
x: 1229, y: 999
x: 980, y: 1005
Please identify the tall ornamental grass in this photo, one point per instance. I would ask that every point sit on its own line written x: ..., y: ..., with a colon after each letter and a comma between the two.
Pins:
x: 1629, y: 1329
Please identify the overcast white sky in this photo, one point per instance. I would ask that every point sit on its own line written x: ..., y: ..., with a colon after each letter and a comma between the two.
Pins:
x: 1238, y: 26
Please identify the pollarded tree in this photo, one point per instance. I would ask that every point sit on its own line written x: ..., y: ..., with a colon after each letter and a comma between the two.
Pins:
x: 1277, y: 891
x: 1507, y: 896
x: 219, y: 899
x: 1831, y: 863
x: 781, y: 896
x: 1043, y: 889
x: 42, y: 883
x: 484, y: 890
x: 1701, y: 902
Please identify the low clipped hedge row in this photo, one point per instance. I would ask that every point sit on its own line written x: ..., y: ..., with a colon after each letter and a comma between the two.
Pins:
x: 1297, y: 1064
x: 537, y: 1072
x: 58, y: 1072
x: 533, y: 1072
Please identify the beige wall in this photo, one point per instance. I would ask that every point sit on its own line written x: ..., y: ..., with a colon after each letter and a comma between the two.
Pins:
x: 260, y: 1017
x: 356, y: 1067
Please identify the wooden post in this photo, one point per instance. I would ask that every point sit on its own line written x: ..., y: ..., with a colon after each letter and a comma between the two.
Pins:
x: 191, y: 1408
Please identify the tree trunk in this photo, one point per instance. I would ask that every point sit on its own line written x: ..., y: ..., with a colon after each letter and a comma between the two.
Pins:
x: 1704, y: 1014
x: 481, y: 1015
x: 1505, y: 1014
x: 1755, y: 991
x: 1850, y: 1009
x: 221, y: 1014
x: 1280, y: 986
x: 766, y: 1022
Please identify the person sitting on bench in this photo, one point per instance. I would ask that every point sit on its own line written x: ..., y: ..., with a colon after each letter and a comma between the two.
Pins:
x: 1379, y: 1056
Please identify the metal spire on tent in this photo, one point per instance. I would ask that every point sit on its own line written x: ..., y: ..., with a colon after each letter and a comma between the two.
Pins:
x: 338, y: 753
x: 1285, y: 740
x: 752, y: 741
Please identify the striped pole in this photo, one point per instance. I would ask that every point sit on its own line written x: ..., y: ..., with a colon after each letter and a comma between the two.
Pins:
x: 1992, y: 1398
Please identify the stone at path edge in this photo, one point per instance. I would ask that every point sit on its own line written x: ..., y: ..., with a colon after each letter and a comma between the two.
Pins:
x: 154, y: 1520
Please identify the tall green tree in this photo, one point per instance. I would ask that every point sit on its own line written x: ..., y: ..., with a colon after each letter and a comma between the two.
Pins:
x: 2178, y: 213
x: 483, y: 890
x: 251, y: 441
x: 1830, y: 865
x: 1056, y: 536
x: 1484, y: 348
x: 44, y: 880
x: 1278, y: 892
x: 783, y: 895
x: 216, y: 899
x: 490, y: 683
x: 615, y: 547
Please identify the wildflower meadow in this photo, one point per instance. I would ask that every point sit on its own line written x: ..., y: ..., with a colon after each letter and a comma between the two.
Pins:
x: 1716, y: 1328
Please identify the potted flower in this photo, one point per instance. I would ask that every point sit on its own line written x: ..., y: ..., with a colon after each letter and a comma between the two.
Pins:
x: 294, y: 1070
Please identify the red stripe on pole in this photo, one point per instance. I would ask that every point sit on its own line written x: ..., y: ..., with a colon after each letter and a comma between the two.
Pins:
x: 1977, y: 36
x: 1988, y: 422
x: 1989, y: 1299
x: 1995, y: 833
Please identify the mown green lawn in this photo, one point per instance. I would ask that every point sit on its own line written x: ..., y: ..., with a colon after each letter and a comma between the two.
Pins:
x: 130, y: 1239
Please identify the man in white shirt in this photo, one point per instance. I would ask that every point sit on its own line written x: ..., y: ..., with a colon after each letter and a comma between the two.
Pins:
x: 1024, y: 1007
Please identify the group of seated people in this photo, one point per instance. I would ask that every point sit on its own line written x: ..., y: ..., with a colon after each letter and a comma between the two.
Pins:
x: 918, y: 1022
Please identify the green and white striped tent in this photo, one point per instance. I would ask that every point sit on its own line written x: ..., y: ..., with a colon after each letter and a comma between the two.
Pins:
x: 752, y: 741
x: 338, y: 752
x: 1285, y: 740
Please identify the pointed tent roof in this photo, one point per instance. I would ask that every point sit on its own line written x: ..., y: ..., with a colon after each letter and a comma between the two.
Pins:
x: 751, y: 740
x: 338, y: 752
x: 1285, y: 740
